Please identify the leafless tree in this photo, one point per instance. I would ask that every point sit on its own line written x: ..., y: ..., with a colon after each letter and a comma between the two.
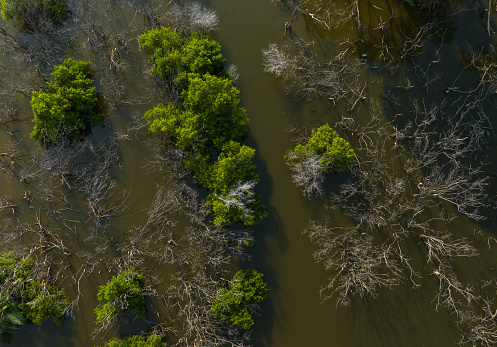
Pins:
x: 307, y: 76
x: 240, y: 196
x: 191, y: 17
x: 478, y: 323
x: 309, y: 175
x: 360, y: 266
x: 82, y: 166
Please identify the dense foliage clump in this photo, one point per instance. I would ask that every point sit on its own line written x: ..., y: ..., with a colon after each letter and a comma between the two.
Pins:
x: 176, y: 57
x: 209, y: 116
x: 27, y: 10
x: 137, y: 341
x: 27, y: 294
x: 333, y: 152
x: 68, y: 109
x: 246, y: 290
x: 230, y: 181
x: 323, y: 153
x: 122, y: 293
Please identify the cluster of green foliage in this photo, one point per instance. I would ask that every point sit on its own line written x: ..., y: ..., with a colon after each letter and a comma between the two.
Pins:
x: 231, y: 304
x: 209, y: 116
x: 335, y: 154
x: 176, y: 57
x: 18, y: 9
x: 137, y: 341
x: 122, y: 293
x: 27, y: 295
x: 68, y: 109
x: 233, y: 166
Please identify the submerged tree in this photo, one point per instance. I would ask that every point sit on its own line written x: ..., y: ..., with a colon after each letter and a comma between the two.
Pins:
x: 122, y: 293
x: 323, y: 153
x: 191, y: 17
x: 245, y: 292
x: 231, y: 180
x: 68, y: 109
x: 27, y: 293
x: 306, y: 75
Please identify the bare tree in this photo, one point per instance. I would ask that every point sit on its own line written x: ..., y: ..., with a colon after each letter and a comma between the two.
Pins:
x: 191, y: 17
x: 308, y: 77
x: 309, y: 175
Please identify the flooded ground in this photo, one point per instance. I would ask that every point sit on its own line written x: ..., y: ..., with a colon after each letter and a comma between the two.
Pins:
x: 406, y: 58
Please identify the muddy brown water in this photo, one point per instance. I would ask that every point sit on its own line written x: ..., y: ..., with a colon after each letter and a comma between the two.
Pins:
x: 294, y: 315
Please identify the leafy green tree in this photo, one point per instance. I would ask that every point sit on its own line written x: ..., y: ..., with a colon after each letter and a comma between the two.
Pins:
x: 68, y: 109
x: 333, y: 152
x: 165, y: 46
x: 324, y: 152
x: 233, y: 164
x: 216, y: 102
x: 182, y: 126
x: 202, y: 55
x: 231, y: 181
x: 211, y: 114
x: 137, y: 341
x: 122, y: 293
x: 26, y: 294
x: 47, y: 302
x: 239, y: 204
x: 180, y: 58
x: 246, y: 290
x: 19, y: 9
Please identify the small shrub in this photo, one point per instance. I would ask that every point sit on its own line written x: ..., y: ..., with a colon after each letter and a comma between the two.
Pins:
x: 247, y: 289
x: 335, y: 154
x: 324, y: 152
x: 122, y: 293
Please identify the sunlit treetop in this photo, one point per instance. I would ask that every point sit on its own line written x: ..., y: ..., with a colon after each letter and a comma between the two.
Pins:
x: 68, y: 109
x: 176, y: 57
x: 333, y: 152
x: 216, y: 101
x: 207, y: 116
x: 121, y: 293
